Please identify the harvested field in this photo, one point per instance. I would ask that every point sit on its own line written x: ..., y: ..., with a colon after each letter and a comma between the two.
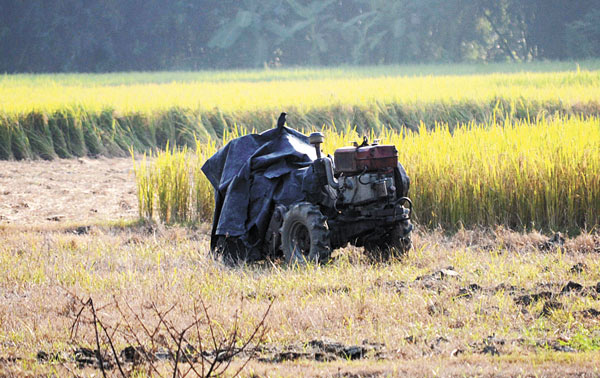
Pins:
x: 86, y: 288
x: 488, y: 302
x: 78, y: 191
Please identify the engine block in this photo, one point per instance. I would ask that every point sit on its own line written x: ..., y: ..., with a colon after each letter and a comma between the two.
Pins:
x: 365, y: 188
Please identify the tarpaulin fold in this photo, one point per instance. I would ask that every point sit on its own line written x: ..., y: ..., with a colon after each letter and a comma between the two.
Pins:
x: 251, y: 175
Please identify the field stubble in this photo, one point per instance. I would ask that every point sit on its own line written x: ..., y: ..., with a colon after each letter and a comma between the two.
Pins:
x: 504, y: 313
x: 477, y: 301
x: 79, y: 191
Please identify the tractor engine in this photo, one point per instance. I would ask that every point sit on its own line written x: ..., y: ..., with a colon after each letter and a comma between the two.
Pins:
x: 362, y: 191
x: 365, y: 174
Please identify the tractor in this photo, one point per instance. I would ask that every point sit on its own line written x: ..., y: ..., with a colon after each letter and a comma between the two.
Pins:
x: 278, y: 196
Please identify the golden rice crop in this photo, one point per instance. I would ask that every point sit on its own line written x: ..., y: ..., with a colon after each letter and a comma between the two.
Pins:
x: 173, y: 187
x: 304, y: 95
x: 72, y: 115
x: 168, y: 184
x: 543, y: 175
x: 521, y: 174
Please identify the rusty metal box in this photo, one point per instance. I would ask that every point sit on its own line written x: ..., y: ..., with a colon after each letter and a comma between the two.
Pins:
x: 352, y: 160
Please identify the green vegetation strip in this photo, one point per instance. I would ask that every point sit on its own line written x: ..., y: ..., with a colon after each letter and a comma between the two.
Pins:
x: 49, y: 116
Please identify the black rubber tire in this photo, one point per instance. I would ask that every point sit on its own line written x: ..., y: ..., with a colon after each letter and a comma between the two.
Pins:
x: 305, y: 235
x: 395, y: 244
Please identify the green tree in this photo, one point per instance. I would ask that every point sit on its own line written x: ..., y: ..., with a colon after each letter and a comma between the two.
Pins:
x: 252, y: 31
x: 583, y: 36
x: 109, y: 35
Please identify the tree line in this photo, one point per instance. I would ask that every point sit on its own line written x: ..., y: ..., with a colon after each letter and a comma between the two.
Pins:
x: 122, y: 35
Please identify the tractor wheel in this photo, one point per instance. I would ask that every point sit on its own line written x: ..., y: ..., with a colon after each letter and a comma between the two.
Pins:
x: 395, y: 244
x: 305, y: 235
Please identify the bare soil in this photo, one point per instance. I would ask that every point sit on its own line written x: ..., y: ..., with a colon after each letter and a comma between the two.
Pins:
x: 67, y: 191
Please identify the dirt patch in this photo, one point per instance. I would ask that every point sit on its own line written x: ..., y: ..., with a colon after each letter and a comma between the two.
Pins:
x: 84, y: 190
x: 317, y: 350
x: 321, y: 350
x: 489, y: 239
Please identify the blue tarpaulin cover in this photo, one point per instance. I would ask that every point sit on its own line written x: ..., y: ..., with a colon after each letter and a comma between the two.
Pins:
x: 251, y: 175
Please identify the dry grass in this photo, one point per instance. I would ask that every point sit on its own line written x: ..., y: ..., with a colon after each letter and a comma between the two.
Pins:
x: 428, y: 326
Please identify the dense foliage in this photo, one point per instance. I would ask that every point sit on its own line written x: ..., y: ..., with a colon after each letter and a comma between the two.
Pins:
x: 111, y: 35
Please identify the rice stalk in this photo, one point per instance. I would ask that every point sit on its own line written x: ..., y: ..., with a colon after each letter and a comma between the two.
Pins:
x: 145, y: 185
x: 524, y: 175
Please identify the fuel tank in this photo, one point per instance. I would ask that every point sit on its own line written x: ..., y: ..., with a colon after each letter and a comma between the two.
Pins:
x: 353, y: 160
